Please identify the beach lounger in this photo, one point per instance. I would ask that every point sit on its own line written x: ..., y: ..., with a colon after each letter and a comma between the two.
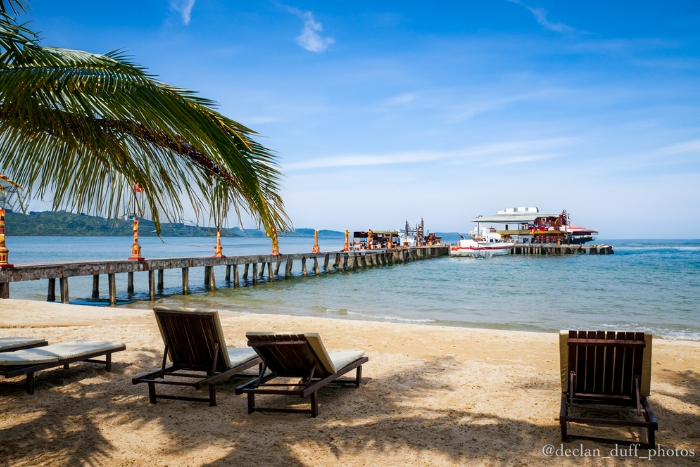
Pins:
x: 194, y: 342
x: 606, y: 371
x: 30, y: 360
x: 8, y: 344
x: 298, y: 356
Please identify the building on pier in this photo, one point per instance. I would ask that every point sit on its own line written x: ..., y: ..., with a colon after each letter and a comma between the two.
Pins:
x: 529, y: 225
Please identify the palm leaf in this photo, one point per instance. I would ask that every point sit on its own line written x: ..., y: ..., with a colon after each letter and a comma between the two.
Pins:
x: 83, y: 128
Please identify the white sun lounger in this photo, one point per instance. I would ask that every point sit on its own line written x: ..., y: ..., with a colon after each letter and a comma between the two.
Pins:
x: 194, y: 341
x: 8, y: 344
x: 298, y: 355
x: 28, y: 361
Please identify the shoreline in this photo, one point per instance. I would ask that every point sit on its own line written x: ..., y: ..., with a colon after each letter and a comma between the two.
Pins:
x: 431, y: 395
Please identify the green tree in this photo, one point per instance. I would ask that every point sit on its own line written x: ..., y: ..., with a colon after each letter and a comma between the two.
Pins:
x: 87, y: 129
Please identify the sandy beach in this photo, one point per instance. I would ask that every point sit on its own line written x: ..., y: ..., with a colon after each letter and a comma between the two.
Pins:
x: 431, y: 395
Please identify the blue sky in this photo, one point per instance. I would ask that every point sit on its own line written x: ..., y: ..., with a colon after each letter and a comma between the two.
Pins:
x: 387, y: 111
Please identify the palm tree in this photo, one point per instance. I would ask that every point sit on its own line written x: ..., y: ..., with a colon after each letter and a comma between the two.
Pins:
x: 89, y: 130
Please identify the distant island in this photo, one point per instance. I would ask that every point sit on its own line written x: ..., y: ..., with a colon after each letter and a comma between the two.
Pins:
x: 67, y: 224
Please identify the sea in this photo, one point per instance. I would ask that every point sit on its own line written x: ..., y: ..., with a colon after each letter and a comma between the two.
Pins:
x: 649, y: 285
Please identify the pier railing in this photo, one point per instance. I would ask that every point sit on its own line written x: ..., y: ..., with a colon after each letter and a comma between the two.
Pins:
x: 258, y: 266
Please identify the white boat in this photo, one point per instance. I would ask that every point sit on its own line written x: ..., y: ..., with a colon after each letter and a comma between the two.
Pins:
x: 482, y: 243
x: 407, y: 237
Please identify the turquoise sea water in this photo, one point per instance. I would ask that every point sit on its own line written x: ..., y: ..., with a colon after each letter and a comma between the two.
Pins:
x: 652, y: 285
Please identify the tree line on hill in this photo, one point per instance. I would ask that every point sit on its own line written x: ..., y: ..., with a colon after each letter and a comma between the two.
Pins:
x: 62, y: 223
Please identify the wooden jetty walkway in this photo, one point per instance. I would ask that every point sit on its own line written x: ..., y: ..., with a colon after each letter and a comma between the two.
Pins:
x: 255, y: 265
x: 561, y: 249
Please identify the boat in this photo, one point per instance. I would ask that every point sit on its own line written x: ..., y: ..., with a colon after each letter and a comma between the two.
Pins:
x: 408, y: 236
x: 482, y: 243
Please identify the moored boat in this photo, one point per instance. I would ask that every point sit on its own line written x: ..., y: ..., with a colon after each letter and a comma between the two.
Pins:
x: 482, y: 244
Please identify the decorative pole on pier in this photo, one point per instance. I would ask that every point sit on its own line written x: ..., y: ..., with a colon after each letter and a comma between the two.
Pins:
x: 217, y: 248
x: 4, y: 264
x: 315, y: 248
x: 275, y: 241
x: 346, y: 247
x: 4, y: 252
x: 135, y: 247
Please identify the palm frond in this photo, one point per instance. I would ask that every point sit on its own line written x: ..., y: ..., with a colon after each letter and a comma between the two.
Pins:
x: 84, y: 128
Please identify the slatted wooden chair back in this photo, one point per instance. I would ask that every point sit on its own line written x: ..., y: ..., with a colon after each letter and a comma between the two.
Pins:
x: 607, y: 364
x: 289, y: 355
x: 192, y: 337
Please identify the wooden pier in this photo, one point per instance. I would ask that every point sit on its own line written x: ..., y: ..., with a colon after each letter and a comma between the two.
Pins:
x: 255, y: 267
x: 541, y: 249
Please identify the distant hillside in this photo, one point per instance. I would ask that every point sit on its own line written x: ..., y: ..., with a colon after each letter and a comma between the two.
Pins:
x: 67, y: 224
x: 310, y: 233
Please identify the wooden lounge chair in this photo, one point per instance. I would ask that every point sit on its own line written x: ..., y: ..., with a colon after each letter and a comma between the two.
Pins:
x: 9, y: 344
x: 30, y: 360
x: 298, y: 356
x: 195, y: 342
x: 606, y: 371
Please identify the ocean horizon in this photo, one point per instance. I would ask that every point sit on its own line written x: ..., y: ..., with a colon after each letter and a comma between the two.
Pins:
x: 648, y: 284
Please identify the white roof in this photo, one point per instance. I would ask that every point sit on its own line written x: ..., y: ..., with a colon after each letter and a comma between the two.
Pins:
x: 514, y: 217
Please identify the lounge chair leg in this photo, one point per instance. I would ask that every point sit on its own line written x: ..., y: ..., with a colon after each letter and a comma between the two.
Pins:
x: 66, y: 366
x: 108, y: 362
x: 212, y: 395
x: 30, y: 383
x: 564, y: 435
x: 251, y: 403
x: 314, y: 405
x: 358, y: 378
x: 562, y: 417
x: 152, y: 393
x: 651, y: 438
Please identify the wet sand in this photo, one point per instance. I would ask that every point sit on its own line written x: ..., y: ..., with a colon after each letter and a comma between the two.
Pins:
x: 433, y: 396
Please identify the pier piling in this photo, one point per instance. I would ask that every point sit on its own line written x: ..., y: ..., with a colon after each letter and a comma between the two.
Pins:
x: 245, y: 271
x: 130, y: 284
x: 228, y: 273
x: 236, y: 282
x: 270, y: 275
x: 51, y: 295
x: 255, y: 273
x: 303, y: 267
x: 185, y: 281
x: 112, y: 285
x: 63, y: 284
x: 96, y: 286
x: 151, y: 285
x: 5, y: 290
x: 160, y: 280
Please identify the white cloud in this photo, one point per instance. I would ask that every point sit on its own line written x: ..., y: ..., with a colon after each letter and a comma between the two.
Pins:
x: 366, y: 160
x: 403, y: 98
x: 498, y: 154
x: 681, y: 148
x: 541, y: 17
x: 184, y: 7
x: 521, y: 159
x: 310, y: 39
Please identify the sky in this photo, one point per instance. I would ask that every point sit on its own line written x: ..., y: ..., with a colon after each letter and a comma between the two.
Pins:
x: 382, y: 112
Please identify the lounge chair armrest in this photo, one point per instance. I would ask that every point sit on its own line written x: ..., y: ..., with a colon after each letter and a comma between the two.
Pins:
x: 649, y: 414
x: 572, y: 379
